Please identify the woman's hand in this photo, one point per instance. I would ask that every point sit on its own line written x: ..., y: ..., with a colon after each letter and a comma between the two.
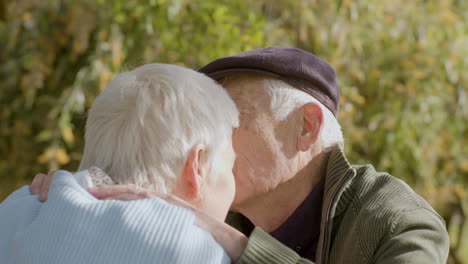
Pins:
x: 41, y: 184
x: 233, y: 241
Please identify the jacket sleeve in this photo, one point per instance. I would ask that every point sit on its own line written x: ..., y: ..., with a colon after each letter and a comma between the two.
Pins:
x: 417, y: 236
x: 262, y: 248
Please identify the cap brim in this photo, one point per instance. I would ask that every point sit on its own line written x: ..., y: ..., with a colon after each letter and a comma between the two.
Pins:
x: 218, y: 75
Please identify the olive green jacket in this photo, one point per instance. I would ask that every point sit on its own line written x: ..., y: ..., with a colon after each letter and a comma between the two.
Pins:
x: 367, y: 217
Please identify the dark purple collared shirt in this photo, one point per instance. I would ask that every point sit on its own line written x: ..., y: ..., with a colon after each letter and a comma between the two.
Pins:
x: 301, y: 231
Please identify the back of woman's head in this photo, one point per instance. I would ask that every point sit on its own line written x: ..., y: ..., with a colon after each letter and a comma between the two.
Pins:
x: 142, y: 127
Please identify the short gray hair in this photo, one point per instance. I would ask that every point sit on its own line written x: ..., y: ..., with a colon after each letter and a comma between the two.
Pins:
x: 141, y: 129
x: 284, y: 99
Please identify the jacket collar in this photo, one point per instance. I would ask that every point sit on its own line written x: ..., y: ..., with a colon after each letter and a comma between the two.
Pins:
x: 338, y: 189
x: 337, y: 197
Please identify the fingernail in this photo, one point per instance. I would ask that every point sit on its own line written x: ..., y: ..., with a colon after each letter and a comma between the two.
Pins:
x: 93, y: 192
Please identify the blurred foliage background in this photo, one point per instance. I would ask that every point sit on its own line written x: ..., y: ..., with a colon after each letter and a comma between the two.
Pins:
x: 402, y: 67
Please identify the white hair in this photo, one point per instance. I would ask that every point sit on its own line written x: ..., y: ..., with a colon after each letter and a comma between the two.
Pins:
x: 284, y: 99
x: 141, y: 129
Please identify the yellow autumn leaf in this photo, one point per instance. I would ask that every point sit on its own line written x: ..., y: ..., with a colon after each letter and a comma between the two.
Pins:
x: 46, y: 156
x: 390, y: 124
x: 104, y: 79
x: 358, y: 99
x: 448, y: 167
x: 459, y: 191
x: 67, y: 135
x: 449, y: 17
x: 464, y: 165
x: 117, y: 54
x: 77, y: 47
x: 27, y: 16
x: 61, y: 156
x: 374, y: 73
x: 418, y: 74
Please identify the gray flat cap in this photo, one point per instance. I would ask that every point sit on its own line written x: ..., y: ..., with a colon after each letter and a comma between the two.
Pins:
x: 297, y: 67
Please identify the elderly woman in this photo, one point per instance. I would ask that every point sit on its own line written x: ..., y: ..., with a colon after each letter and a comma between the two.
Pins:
x: 160, y: 127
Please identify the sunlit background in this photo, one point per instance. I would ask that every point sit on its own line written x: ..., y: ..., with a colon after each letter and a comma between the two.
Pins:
x: 402, y: 67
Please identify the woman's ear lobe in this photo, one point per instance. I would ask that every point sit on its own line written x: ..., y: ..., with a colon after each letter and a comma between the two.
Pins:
x: 312, y: 126
x: 192, y: 174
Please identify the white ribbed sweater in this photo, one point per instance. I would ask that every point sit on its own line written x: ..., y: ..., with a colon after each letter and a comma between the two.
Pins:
x: 74, y: 227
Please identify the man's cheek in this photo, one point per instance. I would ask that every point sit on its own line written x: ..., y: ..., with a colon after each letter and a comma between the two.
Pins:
x: 245, y: 173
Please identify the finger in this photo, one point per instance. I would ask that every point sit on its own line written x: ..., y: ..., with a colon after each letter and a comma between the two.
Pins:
x: 122, y: 192
x: 37, y: 183
x: 46, y: 186
x: 124, y: 197
x: 104, y: 192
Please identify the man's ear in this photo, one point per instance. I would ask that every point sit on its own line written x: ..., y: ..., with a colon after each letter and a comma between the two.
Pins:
x: 192, y: 175
x: 311, y: 126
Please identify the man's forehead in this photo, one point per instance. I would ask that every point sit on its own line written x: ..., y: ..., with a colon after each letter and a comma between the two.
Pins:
x: 248, y: 94
x: 252, y: 100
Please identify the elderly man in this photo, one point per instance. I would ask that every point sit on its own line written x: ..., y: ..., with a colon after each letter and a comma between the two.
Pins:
x: 297, y: 197
x: 148, y: 129
x: 294, y: 183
